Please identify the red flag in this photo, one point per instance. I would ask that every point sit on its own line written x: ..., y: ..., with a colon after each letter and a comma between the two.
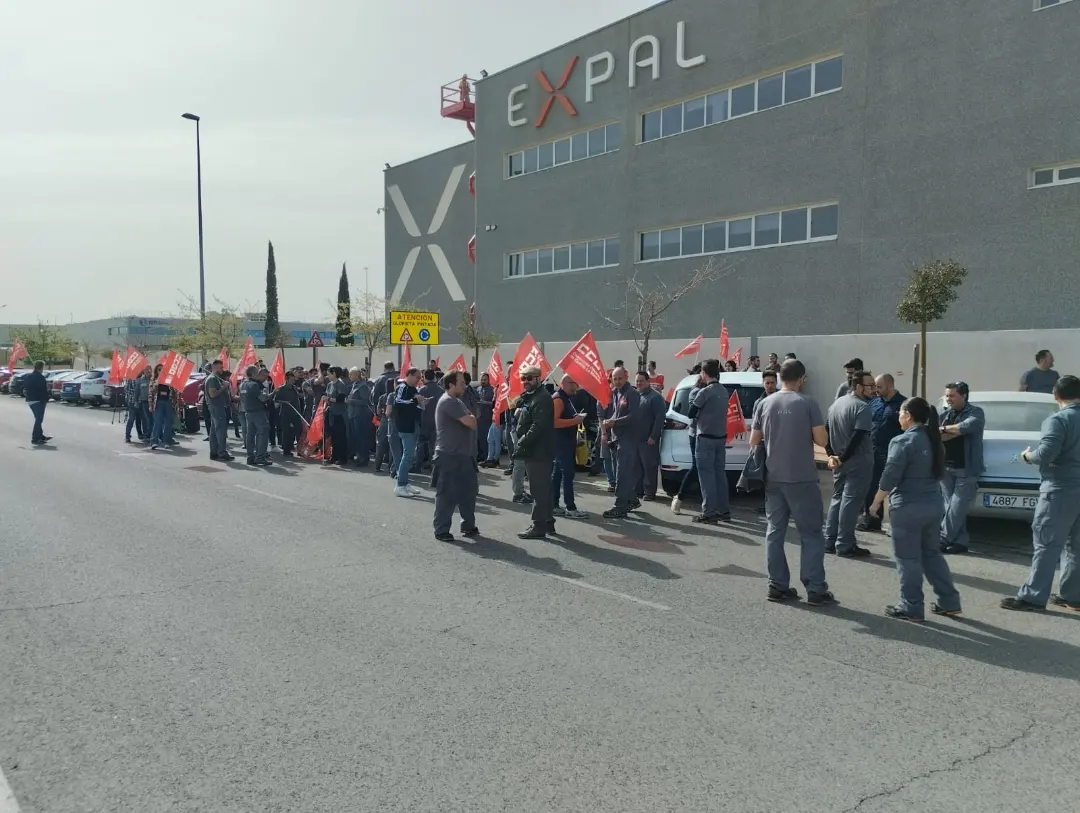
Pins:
x: 116, y: 368
x: 670, y: 395
x: 315, y: 431
x: 134, y: 362
x: 175, y: 370
x: 18, y: 351
x: 737, y: 358
x: 436, y: 360
x: 406, y: 360
x: 528, y: 355
x: 691, y: 349
x: 724, y: 347
x: 657, y: 382
x: 277, y: 370
x: 736, y: 423
x: 582, y: 363
x: 247, y: 358
x: 223, y: 357
x: 495, y: 377
x: 459, y: 365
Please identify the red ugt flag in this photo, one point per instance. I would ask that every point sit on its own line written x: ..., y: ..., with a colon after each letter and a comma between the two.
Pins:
x: 175, y: 370
x: 18, y: 351
x: 528, y: 355
x: 134, y: 362
x: 736, y: 423
x: 691, y: 349
x: 458, y: 365
x: 583, y: 365
x: 116, y: 368
x: 724, y: 347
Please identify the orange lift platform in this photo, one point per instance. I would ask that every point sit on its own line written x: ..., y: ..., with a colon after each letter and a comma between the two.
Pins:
x: 458, y: 102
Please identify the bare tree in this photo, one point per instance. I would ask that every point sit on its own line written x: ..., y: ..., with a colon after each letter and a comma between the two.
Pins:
x: 472, y: 333
x: 223, y: 326
x: 371, y: 321
x: 641, y: 308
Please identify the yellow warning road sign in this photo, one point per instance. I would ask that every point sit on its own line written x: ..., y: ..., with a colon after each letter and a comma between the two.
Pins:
x: 414, y: 327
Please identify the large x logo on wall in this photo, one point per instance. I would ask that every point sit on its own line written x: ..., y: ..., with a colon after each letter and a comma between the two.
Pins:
x: 438, y: 256
x: 556, y: 92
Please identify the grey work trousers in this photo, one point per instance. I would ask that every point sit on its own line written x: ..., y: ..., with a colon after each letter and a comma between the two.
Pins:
x: 1055, y: 534
x: 917, y: 550
x: 543, y: 507
x: 849, y: 493
x: 517, y: 477
x: 256, y: 434
x: 710, y: 455
x: 219, y: 431
x: 456, y: 486
x: 957, y: 490
x: 802, y: 503
x: 627, y: 474
x: 649, y: 460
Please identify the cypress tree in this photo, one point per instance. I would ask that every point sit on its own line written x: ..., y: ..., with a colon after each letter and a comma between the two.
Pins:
x: 343, y: 323
x: 272, y: 329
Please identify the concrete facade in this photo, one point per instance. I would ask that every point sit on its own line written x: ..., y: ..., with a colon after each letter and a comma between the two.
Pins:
x: 928, y: 148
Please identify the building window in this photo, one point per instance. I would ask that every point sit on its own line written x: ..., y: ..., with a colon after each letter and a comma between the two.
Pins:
x: 777, y: 90
x: 577, y: 147
x: 805, y: 224
x: 600, y: 253
x: 1041, y: 4
x: 1053, y: 176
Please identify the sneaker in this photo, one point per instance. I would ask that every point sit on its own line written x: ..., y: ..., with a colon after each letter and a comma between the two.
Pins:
x: 893, y: 611
x: 264, y: 463
x: 127, y: 440
x: 616, y: 513
x: 559, y: 511
x: 153, y: 446
x: 470, y: 533
x: 532, y: 532
x: 1058, y: 601
x: 611, y: 489
x: 868, y: 523
x: 445, y: 536
x: 46, y: 438
x: 215, y: 457
x: 228, y: 457
x: 649, y: 498
x: 635, y: 505
x: 952, y: 550
x: 702, y: 519
x: 820, y: 599
x: 855, y: 553
x: 414, y: 491
x: 523, y: 499
x: 676, y: 505
x: 1013, y: 603
x: 830, y: 548
x: 937, y: 609
x: 575, y: 513
x: 777, y: 595
x: 401, y: 491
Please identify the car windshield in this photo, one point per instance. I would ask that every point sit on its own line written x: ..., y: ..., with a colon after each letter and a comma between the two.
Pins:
x: 748, y: 394
x: 1017, y: 416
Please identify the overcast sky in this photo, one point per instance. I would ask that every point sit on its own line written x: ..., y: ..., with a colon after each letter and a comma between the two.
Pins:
x: 302, y: 103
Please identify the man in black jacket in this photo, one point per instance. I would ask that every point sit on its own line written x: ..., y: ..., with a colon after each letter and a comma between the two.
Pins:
x: 36, y: 393
x: 536, y: 447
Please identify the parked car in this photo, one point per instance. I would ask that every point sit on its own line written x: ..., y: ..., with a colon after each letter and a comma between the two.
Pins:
x: 191, y: 396
x: 56, y: 383
x: 5, y: 378
x: 92, y: 386
x: 1009, y: 488
x: 15, y: 383
x: 71, y: 389
x: 675, y: 457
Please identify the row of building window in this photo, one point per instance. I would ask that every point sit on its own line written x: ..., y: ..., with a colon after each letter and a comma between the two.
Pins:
x: 574, y: 257
x: 598, y: 141
x: 1056, y: 175
x: 1047, y: 3
x: 786, y: 87
x: 802, y: 225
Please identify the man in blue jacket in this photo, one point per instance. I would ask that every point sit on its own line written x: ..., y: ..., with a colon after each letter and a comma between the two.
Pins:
x: 36, y: 393
x: 1055, y: 530
x: 962, y: 427
x: 885, y: 414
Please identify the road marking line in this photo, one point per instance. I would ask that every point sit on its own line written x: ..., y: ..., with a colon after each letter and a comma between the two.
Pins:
x: 605, y: 591
x: 263, y: 493
x: 8, y: 802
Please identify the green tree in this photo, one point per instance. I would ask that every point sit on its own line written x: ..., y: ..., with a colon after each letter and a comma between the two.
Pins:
x: 272, y: 329
x: 931, y: 289
x: 473, y: 334
x: 343, y: 323
x: 48, y: 343
x: 222, y: 326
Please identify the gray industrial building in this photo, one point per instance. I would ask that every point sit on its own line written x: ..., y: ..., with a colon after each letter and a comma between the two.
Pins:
x: 818, y: 149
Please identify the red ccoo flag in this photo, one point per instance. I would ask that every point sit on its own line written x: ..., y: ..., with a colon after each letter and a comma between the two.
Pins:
x: 175, y: 370
x: 18, y: 351
x: 691, y: 349
x: 528, y: 354
x: 736, y: 423
x: 582, y: 363
x: 277, y: 370
x: 458, y: 365
x: 495, y: 377
x: 737, y: 358
x: 724, y: 346
x: 134, y: 362
x: 116, y: 368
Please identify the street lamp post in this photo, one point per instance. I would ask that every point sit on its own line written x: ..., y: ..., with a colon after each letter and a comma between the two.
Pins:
x: 198, y: 176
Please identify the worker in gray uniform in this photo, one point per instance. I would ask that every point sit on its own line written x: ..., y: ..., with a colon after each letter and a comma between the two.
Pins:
x: 651, y: 427
x: 851, y: 460
x: 1055, y: 530
x: 790, y: 424
x: 454, y: 473
x: 911, y: 482
x: 709, y: 407
x: 962, y: 433
x: 623, y: 430
x: 217, y: 402
x: 253, y: 397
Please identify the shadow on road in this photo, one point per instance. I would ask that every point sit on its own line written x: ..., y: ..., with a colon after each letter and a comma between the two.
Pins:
x: 977, y: 582
x: 606, y: 556
x: 487, y: 548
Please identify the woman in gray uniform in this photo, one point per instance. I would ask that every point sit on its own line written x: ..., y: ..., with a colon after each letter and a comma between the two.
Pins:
x: 911, y: 481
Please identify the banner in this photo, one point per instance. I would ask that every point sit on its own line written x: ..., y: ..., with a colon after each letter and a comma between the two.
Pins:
x: 582, y: 363
x: 18, y: 351
x: 528, y: 355
x: 134, y: 362
x: 737, y: 358
x: 736, y: 423
x: 459, y: 365
x: 175, y: 370
x: 691, y: 349
x: 724, y: 347
x: 495, y: 378
x: 223, y: 357
x: 318, y: 423
x: 406, y: 360
x: 116, y: 368
x: 277, y: 370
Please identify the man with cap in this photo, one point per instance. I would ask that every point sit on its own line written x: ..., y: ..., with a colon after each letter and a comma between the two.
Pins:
x: 962, y: 427
x: 536, y: 447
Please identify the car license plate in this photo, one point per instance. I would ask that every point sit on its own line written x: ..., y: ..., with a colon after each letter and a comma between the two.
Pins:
x: 1009, y: 501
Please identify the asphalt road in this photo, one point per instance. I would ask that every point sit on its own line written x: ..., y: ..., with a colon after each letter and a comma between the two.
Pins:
x: 182, y: 635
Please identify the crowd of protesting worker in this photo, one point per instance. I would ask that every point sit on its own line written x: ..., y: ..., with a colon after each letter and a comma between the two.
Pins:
x: 880, y: 446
